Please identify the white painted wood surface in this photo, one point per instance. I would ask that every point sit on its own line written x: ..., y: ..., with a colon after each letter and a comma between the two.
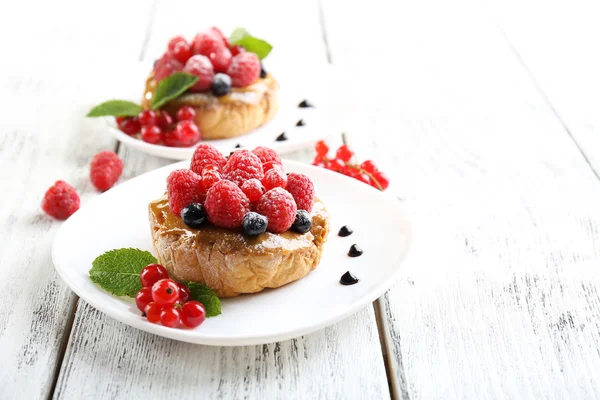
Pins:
x: 473, y: 114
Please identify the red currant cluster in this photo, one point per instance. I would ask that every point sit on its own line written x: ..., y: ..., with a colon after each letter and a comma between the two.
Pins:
x: 160, y: 127
x: 163, y: 300
x: 365, y: 172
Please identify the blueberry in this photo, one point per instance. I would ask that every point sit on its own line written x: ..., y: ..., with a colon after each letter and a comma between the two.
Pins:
x: 193, y: 215
x: 303, y: 222
x: 221, y: 84
x: 254, y: 224
x: 263, y: 71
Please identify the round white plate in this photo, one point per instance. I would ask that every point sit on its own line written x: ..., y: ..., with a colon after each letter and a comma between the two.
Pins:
x: 118, y: 218
x: 318, y: 87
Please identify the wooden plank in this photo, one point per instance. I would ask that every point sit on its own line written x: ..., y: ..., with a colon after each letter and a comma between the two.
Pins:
x: 107, y: 359
x: 43, y: 137
x: 500, y: 294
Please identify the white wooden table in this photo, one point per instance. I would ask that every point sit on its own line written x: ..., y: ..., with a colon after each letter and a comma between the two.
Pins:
x: 486, y: 115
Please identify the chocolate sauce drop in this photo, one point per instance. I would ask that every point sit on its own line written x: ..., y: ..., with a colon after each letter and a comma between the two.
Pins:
x: 345, y: 231
x: 305, y: 104
x: 300, y: 123
x: 348, y: 279
x: 355, y: 251
x: 281, y: 137
x: 238, y: 146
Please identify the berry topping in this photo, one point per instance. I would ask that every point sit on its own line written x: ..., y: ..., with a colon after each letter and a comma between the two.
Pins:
x: 226, y: 204
x: 187, y: 132
x: 244, y: 69
x: 345, y: 231
x: 151, y: 134
x: 184, y: 187
x: 201, y: 67
x: 221, y: 85
x: 130, y: 126
x: 254, y: 224
x: 170, y: 317
x: 206, y: 154
x: 300, y: 122
x: 152, y: 312
x: 216, y: 31
x: 281, y: 138
x: 235, y: 50
x: 275, y: 177
x: 166, y: 67
x: 220, y: 59
x: 302, y: 189
x: 192, y: 314
x: 207, y: 42
x: 193, y: 215
x: 143, y: 298
x: 210, y: 177
x: 303, y: 222
x: 305, y: 104
x: 265, y: 155
x: 186, y: 113
x: 165, y: 292
x: 241, y: 166
x: 148, y: 117
x: 174, y: 41
x: 182, y: 52
x: 105, y: 169
x: 151, y: 274
x: 280, y: 209
x: 253, y: 189
x: 184, y: 293
x: 348, y: 279
x: 271, y: 164
x: 344, y: 153
x: 263, y: 71
x: 165, y: 120
x: 355, y: 251
x: 61, y: 200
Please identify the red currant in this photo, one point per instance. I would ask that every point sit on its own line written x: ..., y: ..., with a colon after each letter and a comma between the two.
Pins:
x: 382, y: 179
x: 165, y: 120
x: 368, y: 166
x: 143, y: 298
x: 170, y: 317
x: 148, y: 117
x: 188, y: 132
x: 321, y: 148
x: 173, y: 42
x: 152, y: 312
x: 152, y: 273
x: 186, y: 113
x: 171, y: 138
x: 151, y: 134
x: 130, y: 126
x: 209, y: 178
x: 336, y: 165
x: 184, y: 293
x: 192, y: 314
x: 363, y: 178
x: 165, y: 292
x: 182, y: 51
x: 344, y: 153
x: 119, y: 120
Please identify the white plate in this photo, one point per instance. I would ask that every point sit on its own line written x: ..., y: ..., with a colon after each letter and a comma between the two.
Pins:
x: 118, y: 218
x: 318, y: 86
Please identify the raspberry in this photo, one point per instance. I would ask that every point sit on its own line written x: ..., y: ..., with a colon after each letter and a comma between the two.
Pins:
x: 105, y: 169
x: 201, y: 67
x: 253, y: 189
x: 275, y: 177
x: 241, y: 166
x: 206, y: 42
x: 279, y: 207
x: 182, y: 52
x: 302, y: 189
x: 173, y: 42
x: 166, y: 66
x: 184, y: 187
x: 219, y: 33
x: 235, y: 50
x: 220, y: 59
x: 210, y: 177
x: 226, y: 204
x: 244, y: 69
x: 266, y: 154
x: 206, y: 154
x: 61, y: 200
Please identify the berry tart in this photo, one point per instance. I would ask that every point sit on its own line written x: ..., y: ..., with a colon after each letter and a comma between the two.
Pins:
x: 238, y: 224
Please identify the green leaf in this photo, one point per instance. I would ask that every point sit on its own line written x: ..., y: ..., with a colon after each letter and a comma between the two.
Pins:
x: 115, y: 108
x: 118, y: 271
x: 172, y: 87
x: 207, y: 297
x: 243, y: 38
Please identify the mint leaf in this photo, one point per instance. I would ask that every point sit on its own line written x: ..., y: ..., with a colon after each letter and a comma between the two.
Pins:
x: 243, y: 38
x: 172, y: 87
x: 115, y: 108
x: 118, y: 271
x: 207, y: 297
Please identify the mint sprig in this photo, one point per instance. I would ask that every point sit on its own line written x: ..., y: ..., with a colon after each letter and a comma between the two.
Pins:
x: 242, y: 37
x: 115, y: 108
x: 118, y: 272
x: 172, y: 87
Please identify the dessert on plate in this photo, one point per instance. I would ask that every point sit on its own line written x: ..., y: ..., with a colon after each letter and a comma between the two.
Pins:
x: 238, y: 225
